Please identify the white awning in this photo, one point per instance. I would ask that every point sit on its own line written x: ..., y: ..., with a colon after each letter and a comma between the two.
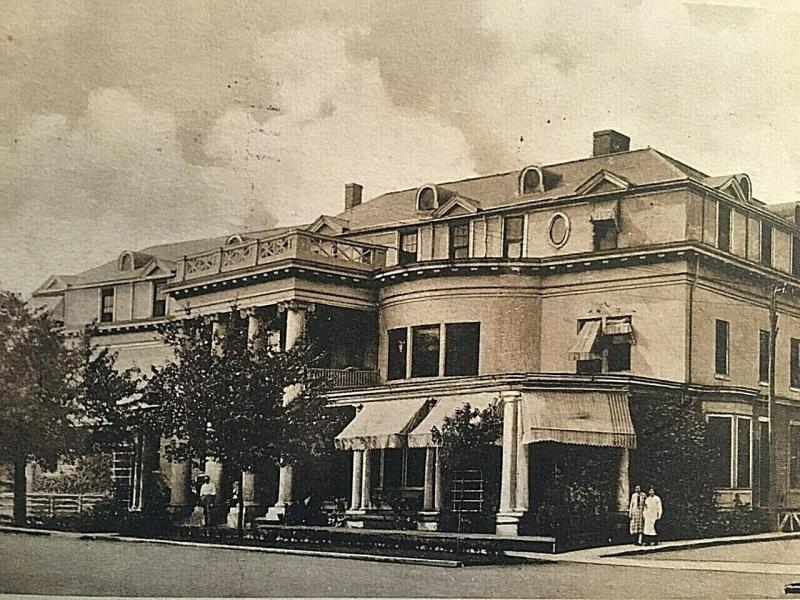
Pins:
x: 578, y: 417
x: 581, y: 348
x: 381, y: 425
x: 421, y: 436
x: 604, y: 211
x: 619, y: 331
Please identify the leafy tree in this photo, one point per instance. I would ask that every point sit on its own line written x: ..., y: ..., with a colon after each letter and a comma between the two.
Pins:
x: 37, y: 403
x: 223, y: 398
x: 468, y: 440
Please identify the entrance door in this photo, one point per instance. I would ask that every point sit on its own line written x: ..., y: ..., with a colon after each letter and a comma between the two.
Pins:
x: 763, y: 463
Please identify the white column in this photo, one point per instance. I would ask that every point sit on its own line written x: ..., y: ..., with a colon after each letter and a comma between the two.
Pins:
x: 623, y: 489
x: 180, y: 485
x: 213, y: 468
x: 366, y: 475
x: 253, y: 329
x: 523, y: 494
x: 438, y: 483
x: 508, y: 478
x: 429, y: 493
x: 358, y: 464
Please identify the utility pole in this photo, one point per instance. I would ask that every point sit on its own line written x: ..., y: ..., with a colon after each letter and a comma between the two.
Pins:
x: 777, y: 288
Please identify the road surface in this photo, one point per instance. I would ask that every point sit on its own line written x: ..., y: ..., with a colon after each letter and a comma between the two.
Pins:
x: 61, y: 565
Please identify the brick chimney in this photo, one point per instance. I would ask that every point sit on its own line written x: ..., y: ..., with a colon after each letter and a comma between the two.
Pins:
x: 352, y: 195
x: 609, y: 141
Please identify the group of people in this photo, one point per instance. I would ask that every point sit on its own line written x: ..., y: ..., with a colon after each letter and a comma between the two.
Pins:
x: 643, y: 512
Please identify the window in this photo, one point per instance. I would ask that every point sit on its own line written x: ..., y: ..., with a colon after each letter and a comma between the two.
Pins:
x: 605, y: 235
x: 398, y: 348
x: 531, y: 180
x: 794, y: 456
x: 731, y: 437
x: 763, y: 356
x: 796, y: 256
x: 591, y: 366
x: 401, y: 468
x: 619, y: 357
x: 459, y: 240
x: 794, y: 367
x: 462, y: 348
x: 426, y: 198
x: 559, y: 230
x: 159, y: 300
x: 721, y: 365
x: 724, y: 227
x: 512, y: 237
x: 408, y: 247
x: 126, y: 262
x: 106, y: 305
x: 425, y: 351
x: 766, y: 244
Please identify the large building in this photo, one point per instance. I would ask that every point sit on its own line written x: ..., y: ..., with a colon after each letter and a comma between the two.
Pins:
x: 570, y: 293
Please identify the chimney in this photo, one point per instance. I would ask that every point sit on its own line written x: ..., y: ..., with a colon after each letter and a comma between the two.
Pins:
x: 609, y: 141
x: 352, y: 195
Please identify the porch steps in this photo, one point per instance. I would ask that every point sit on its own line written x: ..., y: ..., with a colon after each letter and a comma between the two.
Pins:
x: 366, y: 538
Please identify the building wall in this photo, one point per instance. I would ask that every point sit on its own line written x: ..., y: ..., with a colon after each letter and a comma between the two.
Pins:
x: 143, y: 300
x: 140, y: 349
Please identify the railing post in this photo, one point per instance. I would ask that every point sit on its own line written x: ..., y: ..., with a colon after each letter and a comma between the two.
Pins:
x: 51, y: 505
x: 219, y: 260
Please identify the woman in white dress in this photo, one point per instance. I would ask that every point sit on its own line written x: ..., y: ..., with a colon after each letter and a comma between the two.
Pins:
x: 652, y: 513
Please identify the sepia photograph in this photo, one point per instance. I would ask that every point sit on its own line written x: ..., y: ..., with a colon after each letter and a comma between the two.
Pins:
x: 414, y: 299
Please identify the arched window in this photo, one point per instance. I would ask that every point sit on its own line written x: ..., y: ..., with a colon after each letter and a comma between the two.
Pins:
x: 746, y: 187
x: 531, y: 180
x: 125, y: 262
x: 427, y: 198
x: 233, y: 240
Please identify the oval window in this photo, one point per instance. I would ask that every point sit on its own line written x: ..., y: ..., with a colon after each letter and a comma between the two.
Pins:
x: 559, y: 229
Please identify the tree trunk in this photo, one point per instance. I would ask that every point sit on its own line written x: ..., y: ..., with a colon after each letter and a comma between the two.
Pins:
x: 240, y: 501
x: 20, y: 492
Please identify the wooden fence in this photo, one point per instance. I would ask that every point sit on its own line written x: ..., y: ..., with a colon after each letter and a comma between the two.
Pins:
x: 51, y: 505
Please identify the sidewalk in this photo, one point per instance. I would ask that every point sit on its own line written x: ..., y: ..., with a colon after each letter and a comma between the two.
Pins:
x: 630, y: 555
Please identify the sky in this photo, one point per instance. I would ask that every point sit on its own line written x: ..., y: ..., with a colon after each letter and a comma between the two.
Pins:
x: 128, y: 124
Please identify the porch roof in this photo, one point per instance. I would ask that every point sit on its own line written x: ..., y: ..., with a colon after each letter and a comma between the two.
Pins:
x: 591, y: 418
x: 421, y: 436
x: 382, y: 424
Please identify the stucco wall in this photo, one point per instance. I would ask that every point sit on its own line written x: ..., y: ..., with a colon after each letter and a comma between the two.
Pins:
x: 143, y: 300
x: 139, y: 349
x: 81, y: 306
x: 652, y: 219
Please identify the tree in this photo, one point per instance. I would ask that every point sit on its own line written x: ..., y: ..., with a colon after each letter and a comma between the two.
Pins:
x: 37, y: 403
x: 222, y: 398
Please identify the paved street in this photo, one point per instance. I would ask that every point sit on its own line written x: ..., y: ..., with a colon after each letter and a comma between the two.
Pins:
x: 59, y: 565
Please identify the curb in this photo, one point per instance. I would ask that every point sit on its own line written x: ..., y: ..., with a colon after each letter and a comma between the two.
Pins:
x: 692, y: 544
x: 111, y: 537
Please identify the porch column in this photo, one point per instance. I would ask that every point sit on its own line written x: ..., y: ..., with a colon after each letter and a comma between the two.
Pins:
x: 358, y: 464
x: 438, y: 483
x: 523, y: 493
x: 429, y: 493
x: 509, y: 515
x: 624, y: 488
x: 180, y: 486
x: 213, y: 468
x: 366, y: 476
x: 296, y: 319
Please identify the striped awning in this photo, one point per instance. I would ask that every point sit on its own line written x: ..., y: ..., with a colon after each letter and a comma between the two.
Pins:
x: 581, y: 348
x: 382, y: 424
x: 592, y: 418
x: 421, y: 436
x: 605, y: 211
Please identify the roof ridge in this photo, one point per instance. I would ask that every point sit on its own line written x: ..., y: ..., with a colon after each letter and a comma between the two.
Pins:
x: 678, y: 164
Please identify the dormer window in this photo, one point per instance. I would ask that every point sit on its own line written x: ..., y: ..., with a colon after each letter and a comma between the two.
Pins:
x: 427, y: 198
x: 531, y: 180
x: 125, y: 262
x: 745, y: 186
x: 233, y: 240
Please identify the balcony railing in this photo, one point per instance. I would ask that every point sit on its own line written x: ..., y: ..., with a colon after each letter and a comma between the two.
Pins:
x: 290, y: 245
x: 347, y: 378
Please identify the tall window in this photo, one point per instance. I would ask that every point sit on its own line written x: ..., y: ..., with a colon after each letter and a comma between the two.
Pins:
x: 425, y: 351
x: 721, y: 361
x: 724, y: 227
x: 401, y: 468
x: 605, y: 235
x: 462, y: 348
x: 512, y: 237
x: 398, y: 349
x: 106, y: 305
x: 794, y: 367
x: 766, y: 244
x: 408, y: 247
x: 794, y: 456
x: 459, y: 240
x: 763, y: 356
x: 619, y: 357
x: 159, y: 300
x: 731, y: 438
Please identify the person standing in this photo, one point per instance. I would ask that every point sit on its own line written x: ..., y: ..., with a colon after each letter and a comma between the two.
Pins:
x: 208, y: 496
x: 636, y: 514
x: 652, y: 513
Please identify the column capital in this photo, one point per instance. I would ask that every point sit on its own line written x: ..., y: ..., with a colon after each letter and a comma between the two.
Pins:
x: 296, y: 305
x: 507, y: 396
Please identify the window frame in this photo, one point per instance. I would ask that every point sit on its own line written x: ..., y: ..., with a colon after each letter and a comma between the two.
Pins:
x: 764, y: 356
x: 156, y: 303
x: 403, y: 372
x: 794, y: 363
x: 404, y: 470
x: 727, y: 355
x: 405, y: 257
x: 766, y: 257
x: 722, y: 209
x: 448, y: 327
x: 604, y: 225
x: 453, y: 248
x: 507, y: 241
x: 415, y: 366
x: 733, y: 433
x: 107, y: 292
